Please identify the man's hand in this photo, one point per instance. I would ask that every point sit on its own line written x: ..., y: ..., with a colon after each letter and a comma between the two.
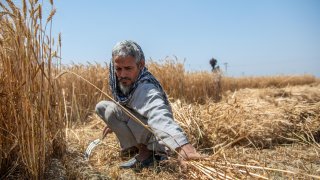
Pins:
x: 106, y: 131
x: 187, y: 152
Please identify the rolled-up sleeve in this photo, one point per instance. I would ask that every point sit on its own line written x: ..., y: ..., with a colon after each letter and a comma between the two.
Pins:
x: 148, y: 101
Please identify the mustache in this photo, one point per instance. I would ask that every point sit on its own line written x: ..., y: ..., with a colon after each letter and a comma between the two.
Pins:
x: 124, y: 78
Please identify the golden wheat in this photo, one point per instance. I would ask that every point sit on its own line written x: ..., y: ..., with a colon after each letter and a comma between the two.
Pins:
x: 31, y: 118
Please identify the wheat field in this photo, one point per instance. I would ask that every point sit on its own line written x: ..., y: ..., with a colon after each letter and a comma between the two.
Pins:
x: 248, y: 127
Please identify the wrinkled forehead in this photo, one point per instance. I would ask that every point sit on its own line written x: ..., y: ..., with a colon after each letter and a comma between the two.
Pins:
x: 124, y: 60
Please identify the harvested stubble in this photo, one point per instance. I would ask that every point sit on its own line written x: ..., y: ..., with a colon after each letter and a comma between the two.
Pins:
x: 31, y: 123
x: 246, y: 135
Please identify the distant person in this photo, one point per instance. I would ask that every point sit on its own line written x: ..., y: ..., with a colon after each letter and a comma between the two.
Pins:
x: 214, y: 67
x: 213, y: 62
x: 216, y: 79
x: 134, y: 87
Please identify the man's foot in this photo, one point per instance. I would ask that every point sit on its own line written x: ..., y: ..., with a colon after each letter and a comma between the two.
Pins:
x: 137, y: 163
x: 145, y: 158
x: 129, y: 152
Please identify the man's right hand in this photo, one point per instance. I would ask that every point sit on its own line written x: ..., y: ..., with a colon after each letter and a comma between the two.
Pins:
x: 106, y: 131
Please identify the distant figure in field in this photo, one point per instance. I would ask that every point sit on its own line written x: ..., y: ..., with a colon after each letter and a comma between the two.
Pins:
x: 216, y: 78
x: 213, y: 62
x: 134, y: 87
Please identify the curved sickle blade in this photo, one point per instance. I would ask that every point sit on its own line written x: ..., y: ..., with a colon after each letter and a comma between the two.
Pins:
x: 89, y: 149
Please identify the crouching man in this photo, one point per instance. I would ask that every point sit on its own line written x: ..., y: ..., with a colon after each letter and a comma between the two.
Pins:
x: 134, y: 87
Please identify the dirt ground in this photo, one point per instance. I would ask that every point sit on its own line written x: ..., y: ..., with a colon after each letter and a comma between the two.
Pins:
x: 278, y: 129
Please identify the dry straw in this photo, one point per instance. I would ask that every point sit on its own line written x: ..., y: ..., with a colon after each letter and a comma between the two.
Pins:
x: 210, y: 126
x: 236, y: 135
x: 213, y: 170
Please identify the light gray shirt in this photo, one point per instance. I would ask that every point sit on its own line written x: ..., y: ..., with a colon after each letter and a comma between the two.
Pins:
x: 149, y: 102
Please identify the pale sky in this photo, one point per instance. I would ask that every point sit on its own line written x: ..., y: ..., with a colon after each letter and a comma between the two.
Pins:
x: 255, y: 37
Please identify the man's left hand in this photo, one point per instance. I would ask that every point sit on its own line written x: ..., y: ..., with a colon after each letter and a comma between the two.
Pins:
x: 187, y: 152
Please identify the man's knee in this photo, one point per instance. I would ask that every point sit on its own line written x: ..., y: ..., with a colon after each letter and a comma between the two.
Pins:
x: 105, y: 109
x: 100, y: 108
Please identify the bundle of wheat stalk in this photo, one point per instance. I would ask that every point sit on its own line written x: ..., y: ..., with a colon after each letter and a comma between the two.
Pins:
x: 31, y: 122
x: 249, y: 120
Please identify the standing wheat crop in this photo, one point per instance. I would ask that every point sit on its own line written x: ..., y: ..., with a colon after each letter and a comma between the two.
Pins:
x: 31, y: 122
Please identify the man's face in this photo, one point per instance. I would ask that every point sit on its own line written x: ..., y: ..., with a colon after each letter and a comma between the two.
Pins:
x: 127, y: 70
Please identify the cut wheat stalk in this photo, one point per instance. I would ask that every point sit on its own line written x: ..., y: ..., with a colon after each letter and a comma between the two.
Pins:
x: 273, y: 169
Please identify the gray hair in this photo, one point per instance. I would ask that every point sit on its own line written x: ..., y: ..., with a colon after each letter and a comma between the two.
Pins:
x: 128, y: 48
